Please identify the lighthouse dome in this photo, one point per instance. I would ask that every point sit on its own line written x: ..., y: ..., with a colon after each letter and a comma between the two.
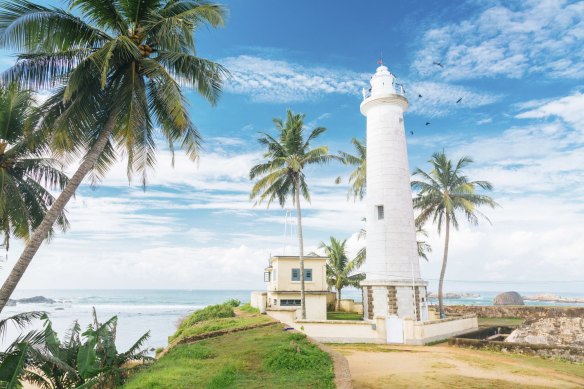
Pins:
x: 382, y: 82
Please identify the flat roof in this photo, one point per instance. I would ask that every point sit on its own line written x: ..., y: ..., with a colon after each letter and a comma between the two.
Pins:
x: 298, y: 257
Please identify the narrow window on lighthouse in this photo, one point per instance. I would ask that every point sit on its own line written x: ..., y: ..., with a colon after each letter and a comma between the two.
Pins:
x: 380, y: 212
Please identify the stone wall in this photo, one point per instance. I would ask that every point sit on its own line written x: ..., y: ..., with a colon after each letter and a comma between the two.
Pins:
x: 523, y: 311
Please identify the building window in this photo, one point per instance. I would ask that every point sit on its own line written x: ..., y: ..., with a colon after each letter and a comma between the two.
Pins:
x: 296, y: 274
x: 380, y: 212
x: 266, y: 276
x: 289, y: 303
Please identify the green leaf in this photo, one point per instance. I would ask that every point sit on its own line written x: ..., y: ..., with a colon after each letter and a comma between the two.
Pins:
x: 12, y: 366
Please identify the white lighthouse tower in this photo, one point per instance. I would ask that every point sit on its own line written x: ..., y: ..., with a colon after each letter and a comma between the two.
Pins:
x: 393, y: 286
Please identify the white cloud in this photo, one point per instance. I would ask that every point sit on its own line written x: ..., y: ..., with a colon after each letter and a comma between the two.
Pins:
x: 440, y: 99
x: 540, y: 37
x: 568, y: 108
x: 268, y: 80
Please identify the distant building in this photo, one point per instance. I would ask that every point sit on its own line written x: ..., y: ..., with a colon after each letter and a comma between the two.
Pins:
x: 283, y: 286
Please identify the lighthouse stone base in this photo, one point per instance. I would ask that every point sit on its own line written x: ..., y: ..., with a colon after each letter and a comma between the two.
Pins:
x: 404, y: 299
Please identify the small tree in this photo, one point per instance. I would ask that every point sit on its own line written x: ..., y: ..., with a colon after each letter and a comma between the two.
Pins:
x: 340, y: 271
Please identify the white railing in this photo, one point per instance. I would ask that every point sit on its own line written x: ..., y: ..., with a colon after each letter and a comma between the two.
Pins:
x: 398, y: 88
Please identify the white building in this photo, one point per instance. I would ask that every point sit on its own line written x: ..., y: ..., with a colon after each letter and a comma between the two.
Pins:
x: 393, y: 286
x: 283, y: 287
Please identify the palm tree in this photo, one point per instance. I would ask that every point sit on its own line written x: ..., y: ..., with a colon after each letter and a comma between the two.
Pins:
x: 358, y: 177
x: 24, y: 171
x: 340, y: 271
x: 116, y: 69
x: 282, y: 176
x: 445, y: 192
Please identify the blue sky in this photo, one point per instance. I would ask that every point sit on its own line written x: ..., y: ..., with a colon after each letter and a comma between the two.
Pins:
x: 518, y: 67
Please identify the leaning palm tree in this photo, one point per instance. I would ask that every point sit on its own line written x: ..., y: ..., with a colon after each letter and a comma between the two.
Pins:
x: 443, y: 194
x: 281, y: 177
x: 358, y: 177
x: 340, y: 271
x: 24, y: 171
x: 116, y: 69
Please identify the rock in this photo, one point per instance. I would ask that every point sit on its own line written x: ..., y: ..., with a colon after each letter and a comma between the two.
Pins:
x: 36, y: 300
x: 508, y: 298
x: 551, y: 331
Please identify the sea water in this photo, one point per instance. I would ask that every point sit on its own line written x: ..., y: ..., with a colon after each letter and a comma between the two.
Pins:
x: 157, y: 311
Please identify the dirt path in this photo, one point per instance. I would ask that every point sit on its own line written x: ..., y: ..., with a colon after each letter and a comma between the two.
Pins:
x: 382, y: 366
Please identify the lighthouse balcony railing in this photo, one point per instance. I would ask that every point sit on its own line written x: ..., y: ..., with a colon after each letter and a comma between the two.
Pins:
x: 398, y: 90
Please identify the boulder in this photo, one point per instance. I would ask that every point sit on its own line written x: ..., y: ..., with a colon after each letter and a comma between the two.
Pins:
x: 551, y: 331
x: 508, y: 298
x: 36, y: 300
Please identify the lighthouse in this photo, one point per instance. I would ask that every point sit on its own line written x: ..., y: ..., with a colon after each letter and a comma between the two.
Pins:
x: 393, y: 287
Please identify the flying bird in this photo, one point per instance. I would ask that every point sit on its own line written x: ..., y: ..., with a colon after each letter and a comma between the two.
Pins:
x: 438, y: 64
x: 419, y: 96
x: 428, y: 123
x: 411, y: 132
x: 459, y: 100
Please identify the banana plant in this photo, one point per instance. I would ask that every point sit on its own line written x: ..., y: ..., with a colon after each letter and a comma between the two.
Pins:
x: 86, y: 359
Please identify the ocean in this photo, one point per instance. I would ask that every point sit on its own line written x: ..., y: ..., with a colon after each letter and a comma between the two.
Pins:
x: 157, y: 311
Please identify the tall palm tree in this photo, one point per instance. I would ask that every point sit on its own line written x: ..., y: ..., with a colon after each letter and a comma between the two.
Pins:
x: 116, y: 69
x: 340, y: 271
x: 282, y: 176
x: 445, y: 192
x: 358, y: 177
x: 24, y: 171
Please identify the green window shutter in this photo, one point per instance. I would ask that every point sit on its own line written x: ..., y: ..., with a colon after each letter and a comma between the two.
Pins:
x: 295, y: 274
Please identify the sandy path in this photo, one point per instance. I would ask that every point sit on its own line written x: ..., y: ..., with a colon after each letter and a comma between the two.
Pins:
x: 383, y: 366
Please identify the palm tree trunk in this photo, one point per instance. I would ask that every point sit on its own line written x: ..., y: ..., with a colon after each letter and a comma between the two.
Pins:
x: 443, y: 270
x: 41, y: 232
x: 301, y: 248
x: 338, y: 300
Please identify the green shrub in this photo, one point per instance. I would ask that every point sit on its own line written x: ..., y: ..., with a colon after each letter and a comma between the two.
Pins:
x: 299, y: 354
x: 233, y: 302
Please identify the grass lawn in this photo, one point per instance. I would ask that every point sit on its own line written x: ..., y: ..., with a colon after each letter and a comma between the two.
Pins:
x: 266, y: 357
x: 343, y: 316
x: 220, y: 324
x: 500, y: 321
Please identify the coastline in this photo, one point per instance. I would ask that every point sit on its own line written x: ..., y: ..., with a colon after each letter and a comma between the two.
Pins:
x: 158, y: 311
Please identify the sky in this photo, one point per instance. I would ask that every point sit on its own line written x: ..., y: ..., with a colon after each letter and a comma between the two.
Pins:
x: 517, y: 65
